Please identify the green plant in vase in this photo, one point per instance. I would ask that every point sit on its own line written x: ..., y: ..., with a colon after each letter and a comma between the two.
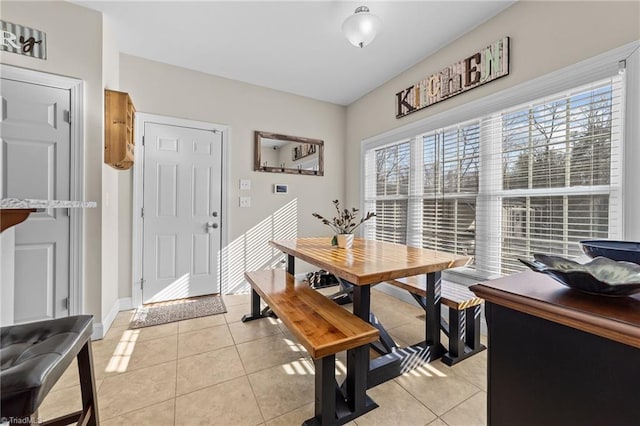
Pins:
x: 344, y: 224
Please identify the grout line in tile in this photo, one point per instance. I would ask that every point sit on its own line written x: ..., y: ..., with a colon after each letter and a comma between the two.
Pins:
x: 175, y: 410
x: 461, y: 402
x: 210, y: 386
x: 291, y: 411
x: 253, y: 391
x: 131, y: 411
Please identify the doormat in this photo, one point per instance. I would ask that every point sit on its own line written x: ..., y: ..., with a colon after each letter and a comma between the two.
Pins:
x: 177, y: 310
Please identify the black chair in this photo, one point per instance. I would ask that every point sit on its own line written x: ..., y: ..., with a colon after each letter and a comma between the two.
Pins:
x: 33, y: 356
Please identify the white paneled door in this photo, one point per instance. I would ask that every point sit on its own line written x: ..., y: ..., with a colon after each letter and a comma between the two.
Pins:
x: 181, y: 212
x: 35, y: 159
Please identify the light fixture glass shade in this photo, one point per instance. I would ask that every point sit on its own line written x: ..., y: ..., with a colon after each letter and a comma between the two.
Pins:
x: 361, y: 27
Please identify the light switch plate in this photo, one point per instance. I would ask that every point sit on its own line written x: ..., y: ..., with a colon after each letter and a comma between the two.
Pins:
x: 245, y: 201
x: 245, y: 184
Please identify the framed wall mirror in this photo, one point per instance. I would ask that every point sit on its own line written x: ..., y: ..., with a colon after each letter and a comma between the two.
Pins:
x: 288, y: 154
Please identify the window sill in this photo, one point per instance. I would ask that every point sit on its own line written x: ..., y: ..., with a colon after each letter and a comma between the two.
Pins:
x: 466, y: 276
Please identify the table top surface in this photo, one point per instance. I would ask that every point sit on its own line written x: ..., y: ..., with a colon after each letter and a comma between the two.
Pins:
x: 369, y: 261
x: 617, y: 318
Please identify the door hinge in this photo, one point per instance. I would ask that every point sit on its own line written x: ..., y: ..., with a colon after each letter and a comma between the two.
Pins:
x: 65, y: 303
x: 142, y: 140
x: 67, y: 116
x: 141, y: 283
x: 142, y: 212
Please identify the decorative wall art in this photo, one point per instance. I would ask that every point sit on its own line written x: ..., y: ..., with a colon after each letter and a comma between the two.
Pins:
x: 23, y: 40
x: 302, y: 151
x: 484, y: 66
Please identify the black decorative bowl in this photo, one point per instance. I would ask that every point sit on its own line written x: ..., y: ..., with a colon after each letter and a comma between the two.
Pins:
x: 627, y: 251
x: 601, y: 276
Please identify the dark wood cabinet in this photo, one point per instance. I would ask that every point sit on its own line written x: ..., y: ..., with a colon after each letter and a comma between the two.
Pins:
x: 560, y: 357
x: 119, y: 143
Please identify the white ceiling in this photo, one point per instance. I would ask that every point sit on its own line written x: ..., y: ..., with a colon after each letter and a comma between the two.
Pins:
x: 292, y: 46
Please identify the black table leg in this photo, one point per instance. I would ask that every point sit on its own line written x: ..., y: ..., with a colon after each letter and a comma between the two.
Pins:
x: 402, y: 360
x: 432, y: 347
x: 291, y: 264
x: 362, y: 301
x: 433, y: 309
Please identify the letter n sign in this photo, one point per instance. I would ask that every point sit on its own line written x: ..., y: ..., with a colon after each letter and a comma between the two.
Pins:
x: 23, y: 40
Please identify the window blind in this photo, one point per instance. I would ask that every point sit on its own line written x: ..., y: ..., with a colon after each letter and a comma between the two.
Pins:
x: 451, y: 176
x: 388, y: 190
x: 536, y: 178
x: 554, y: 176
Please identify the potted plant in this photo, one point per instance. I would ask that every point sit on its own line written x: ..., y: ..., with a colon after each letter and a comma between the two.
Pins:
x: 344, y: 224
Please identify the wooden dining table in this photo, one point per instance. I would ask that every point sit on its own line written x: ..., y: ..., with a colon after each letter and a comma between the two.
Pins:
x: 370, y: 262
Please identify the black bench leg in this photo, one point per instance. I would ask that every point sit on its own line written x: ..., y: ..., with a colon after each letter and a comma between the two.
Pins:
x: 255, y: 308
x: 357, y: 378
x: 464, y: 334
x: 325, y: 390
x: 457, y: 333
x: 87, y: 386
x: 472, y: 337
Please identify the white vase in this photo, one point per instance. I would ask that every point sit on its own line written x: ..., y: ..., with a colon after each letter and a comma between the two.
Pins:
x: 345, y: 241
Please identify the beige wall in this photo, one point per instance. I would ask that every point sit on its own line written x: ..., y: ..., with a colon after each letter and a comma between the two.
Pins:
x: 173, y: 91
x: 74, y: 49
x: 545, y: 36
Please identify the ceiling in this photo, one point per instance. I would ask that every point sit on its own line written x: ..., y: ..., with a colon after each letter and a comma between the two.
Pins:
x: 292, y: 46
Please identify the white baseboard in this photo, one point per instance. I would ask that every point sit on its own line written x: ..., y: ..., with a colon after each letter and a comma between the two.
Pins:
x: 101, y: 328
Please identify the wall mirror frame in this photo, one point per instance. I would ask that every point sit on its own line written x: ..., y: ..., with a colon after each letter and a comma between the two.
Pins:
x: 278, y: 153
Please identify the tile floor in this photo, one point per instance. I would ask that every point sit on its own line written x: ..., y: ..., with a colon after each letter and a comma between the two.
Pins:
x: 219, y: 371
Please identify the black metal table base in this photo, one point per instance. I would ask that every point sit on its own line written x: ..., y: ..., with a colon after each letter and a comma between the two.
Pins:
x: 400, y: 361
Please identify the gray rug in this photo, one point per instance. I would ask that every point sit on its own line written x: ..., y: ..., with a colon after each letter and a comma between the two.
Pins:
x: 177, y: 310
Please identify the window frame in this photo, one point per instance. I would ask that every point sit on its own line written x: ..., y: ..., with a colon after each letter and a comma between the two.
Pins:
x: 580, y: 74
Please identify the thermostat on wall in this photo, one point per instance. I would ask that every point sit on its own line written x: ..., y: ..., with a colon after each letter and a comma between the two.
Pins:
x: 280, y: 188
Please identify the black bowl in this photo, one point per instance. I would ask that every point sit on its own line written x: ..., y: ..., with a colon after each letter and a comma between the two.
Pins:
x: 627, y: 251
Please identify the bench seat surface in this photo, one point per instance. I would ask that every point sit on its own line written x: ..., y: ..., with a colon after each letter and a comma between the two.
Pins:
x: 320, y: 325
x: 453, y: 295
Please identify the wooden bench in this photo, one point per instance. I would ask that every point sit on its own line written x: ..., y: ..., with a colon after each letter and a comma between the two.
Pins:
x: 465, y: 309
x: 324, y: 329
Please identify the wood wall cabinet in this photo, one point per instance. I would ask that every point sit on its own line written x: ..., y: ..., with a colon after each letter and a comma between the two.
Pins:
x: 118, y: 129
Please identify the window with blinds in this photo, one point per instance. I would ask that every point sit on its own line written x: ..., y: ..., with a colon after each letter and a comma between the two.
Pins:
x: 392, y: 168
x: 537, y: 178
x: 451, y: 160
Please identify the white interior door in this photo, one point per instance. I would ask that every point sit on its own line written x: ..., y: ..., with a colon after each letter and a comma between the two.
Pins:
x: 35, y: 159
x: 182, y: 206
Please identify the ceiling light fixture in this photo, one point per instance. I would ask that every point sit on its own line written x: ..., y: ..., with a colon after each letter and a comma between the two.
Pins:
x: 361, y: 27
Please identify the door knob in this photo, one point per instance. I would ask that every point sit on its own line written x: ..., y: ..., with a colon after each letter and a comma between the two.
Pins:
x: 211, y: 226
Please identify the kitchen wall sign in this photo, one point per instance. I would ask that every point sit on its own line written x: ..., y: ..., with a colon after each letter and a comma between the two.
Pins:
x: 486, y: 65
x: 23, y: 40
